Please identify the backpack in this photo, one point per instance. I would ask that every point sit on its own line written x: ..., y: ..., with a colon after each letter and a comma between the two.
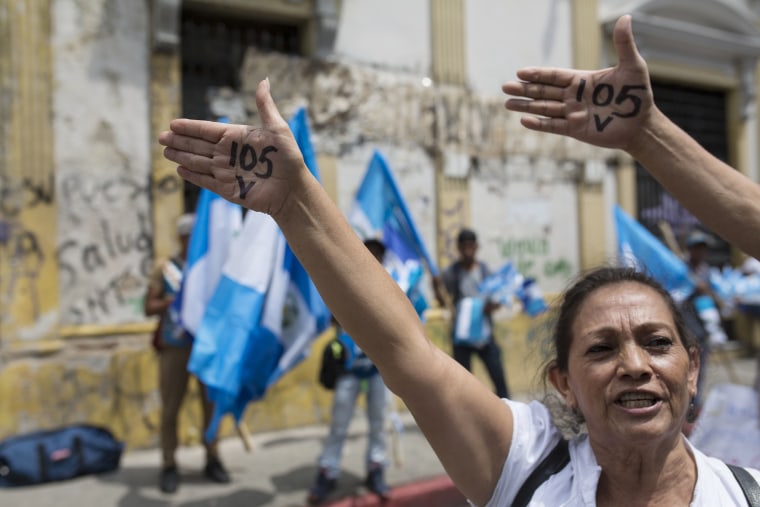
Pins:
x: 58, y: 454
x: 334, y: 357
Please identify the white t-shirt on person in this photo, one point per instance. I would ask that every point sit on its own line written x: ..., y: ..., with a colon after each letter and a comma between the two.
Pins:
x: 575, y: 485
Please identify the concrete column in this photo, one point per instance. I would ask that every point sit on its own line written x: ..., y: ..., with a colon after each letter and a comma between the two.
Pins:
x: 166, y: 190
x: 448, y: 41
x: 587, y: 45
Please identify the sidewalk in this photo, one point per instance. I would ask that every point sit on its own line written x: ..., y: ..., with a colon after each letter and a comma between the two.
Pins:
x: 277, y: 473
x: 280, y: 470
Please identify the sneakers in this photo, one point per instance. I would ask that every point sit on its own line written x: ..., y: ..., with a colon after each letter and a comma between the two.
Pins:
x: 168, y: 481
x: 376, y: 483
x: 322, y: 487
x: 215, y: 471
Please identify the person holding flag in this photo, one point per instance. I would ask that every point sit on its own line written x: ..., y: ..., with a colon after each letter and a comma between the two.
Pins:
x: 359, y: 374
x: 263, y: 312
x: 380, y: 210
x: 173, y: 344
x: 472, y: 325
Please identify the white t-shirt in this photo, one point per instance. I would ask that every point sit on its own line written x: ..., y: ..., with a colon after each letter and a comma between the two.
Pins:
x: 575, y: 485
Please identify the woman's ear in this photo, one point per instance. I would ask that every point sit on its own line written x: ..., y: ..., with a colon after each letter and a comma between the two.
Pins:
x: 694, y: 367
x: 561, y: 383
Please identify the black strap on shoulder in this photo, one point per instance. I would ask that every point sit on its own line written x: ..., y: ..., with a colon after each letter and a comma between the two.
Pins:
x: 551, y: 464
x: 748, y: 484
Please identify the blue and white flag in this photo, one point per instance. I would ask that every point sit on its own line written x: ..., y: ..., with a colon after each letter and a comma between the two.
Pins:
x: 508, y: 284
x: 379, y: 211
x: 264, y: 315
x: 217, y: 221
x: 639, y: 248
x: 471, y: 327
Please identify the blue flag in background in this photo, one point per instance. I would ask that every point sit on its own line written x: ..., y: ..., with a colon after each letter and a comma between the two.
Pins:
x: 379, y: 211
x: 216, y: 223
x: 508, y: 284
x: 264, y: 314
x: 639, y: 248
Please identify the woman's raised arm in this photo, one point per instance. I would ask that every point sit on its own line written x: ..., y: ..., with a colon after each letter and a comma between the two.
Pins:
x: 262, y: 169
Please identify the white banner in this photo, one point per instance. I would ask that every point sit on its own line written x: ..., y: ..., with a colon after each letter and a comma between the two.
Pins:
x: 729, y: 425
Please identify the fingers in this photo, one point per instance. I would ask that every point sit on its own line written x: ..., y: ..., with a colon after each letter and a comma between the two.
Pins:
x: 201, y: 180
x: 550, y: 125
x: 534, y: 90
x: 186, y: 143
x: 551, y: 109
x: 190, y: 161
x: 207, y: 130
x: 270, y: 116
x: 625, y: 45
x: 549, y: 76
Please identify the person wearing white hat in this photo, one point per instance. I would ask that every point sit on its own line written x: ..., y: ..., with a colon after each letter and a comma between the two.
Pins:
x: 174, y: 345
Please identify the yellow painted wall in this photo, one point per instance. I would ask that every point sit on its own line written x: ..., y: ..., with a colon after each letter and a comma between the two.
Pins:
x: 119, y: 389
x: 28, y: 267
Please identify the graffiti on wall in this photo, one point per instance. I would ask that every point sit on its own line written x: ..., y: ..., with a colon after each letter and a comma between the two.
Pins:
x: 24, y: 193
x: 534, y: 258
x: 22, y: 250
x: 105, y: 247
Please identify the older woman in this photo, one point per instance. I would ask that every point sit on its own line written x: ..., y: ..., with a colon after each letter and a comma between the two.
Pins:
x: 623, y: 362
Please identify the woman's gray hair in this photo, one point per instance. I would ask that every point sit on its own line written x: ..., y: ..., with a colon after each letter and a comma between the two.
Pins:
x: 568, y: 421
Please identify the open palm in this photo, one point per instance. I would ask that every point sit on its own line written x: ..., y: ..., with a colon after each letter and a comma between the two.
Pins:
x: 604, y: 108
x: 254, y: 167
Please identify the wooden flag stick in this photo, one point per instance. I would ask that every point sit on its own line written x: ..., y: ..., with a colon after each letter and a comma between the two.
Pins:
x: 245, y: 436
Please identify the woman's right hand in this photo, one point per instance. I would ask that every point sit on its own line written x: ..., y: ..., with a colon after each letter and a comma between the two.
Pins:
x: 255, y: 167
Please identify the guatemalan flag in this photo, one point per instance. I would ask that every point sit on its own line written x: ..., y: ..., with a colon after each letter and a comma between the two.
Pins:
x: 264, y: 314
x: 380, y: 212
x: 508, y: 284
x: 217, y: 221
x: 639, y: 248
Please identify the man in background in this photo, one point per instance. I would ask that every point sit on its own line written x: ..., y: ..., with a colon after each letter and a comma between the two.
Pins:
x: 461, y: 281
x: 359, y: 375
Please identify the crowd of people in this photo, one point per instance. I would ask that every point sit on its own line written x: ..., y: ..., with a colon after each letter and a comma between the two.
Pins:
x: 625, y: 366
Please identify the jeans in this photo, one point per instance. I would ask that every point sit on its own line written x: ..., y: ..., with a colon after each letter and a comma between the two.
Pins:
x: 490, y: 354
x: 347, y: 390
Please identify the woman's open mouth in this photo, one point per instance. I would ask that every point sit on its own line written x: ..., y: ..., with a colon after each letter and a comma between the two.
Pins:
x: 637, y: 400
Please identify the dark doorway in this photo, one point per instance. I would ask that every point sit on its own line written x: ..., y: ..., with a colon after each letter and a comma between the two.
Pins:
x: 703, y: 115
x: 213, y: 48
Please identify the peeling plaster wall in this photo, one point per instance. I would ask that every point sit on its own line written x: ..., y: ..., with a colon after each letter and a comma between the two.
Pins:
x: 101, y: 122
x: 522, y: 183
x: 526, y: 212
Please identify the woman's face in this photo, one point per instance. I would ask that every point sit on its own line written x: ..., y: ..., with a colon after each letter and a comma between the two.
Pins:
x: 629, y: 374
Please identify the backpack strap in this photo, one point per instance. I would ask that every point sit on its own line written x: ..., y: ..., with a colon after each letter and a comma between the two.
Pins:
x: 551, y: 464
x: 749, y: 485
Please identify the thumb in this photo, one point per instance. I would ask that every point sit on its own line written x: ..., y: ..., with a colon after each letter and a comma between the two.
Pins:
x: 270, y: 115
x: 625, y: 46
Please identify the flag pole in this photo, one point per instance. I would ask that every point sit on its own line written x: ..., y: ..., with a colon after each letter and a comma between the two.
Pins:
x: 245, y: 436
